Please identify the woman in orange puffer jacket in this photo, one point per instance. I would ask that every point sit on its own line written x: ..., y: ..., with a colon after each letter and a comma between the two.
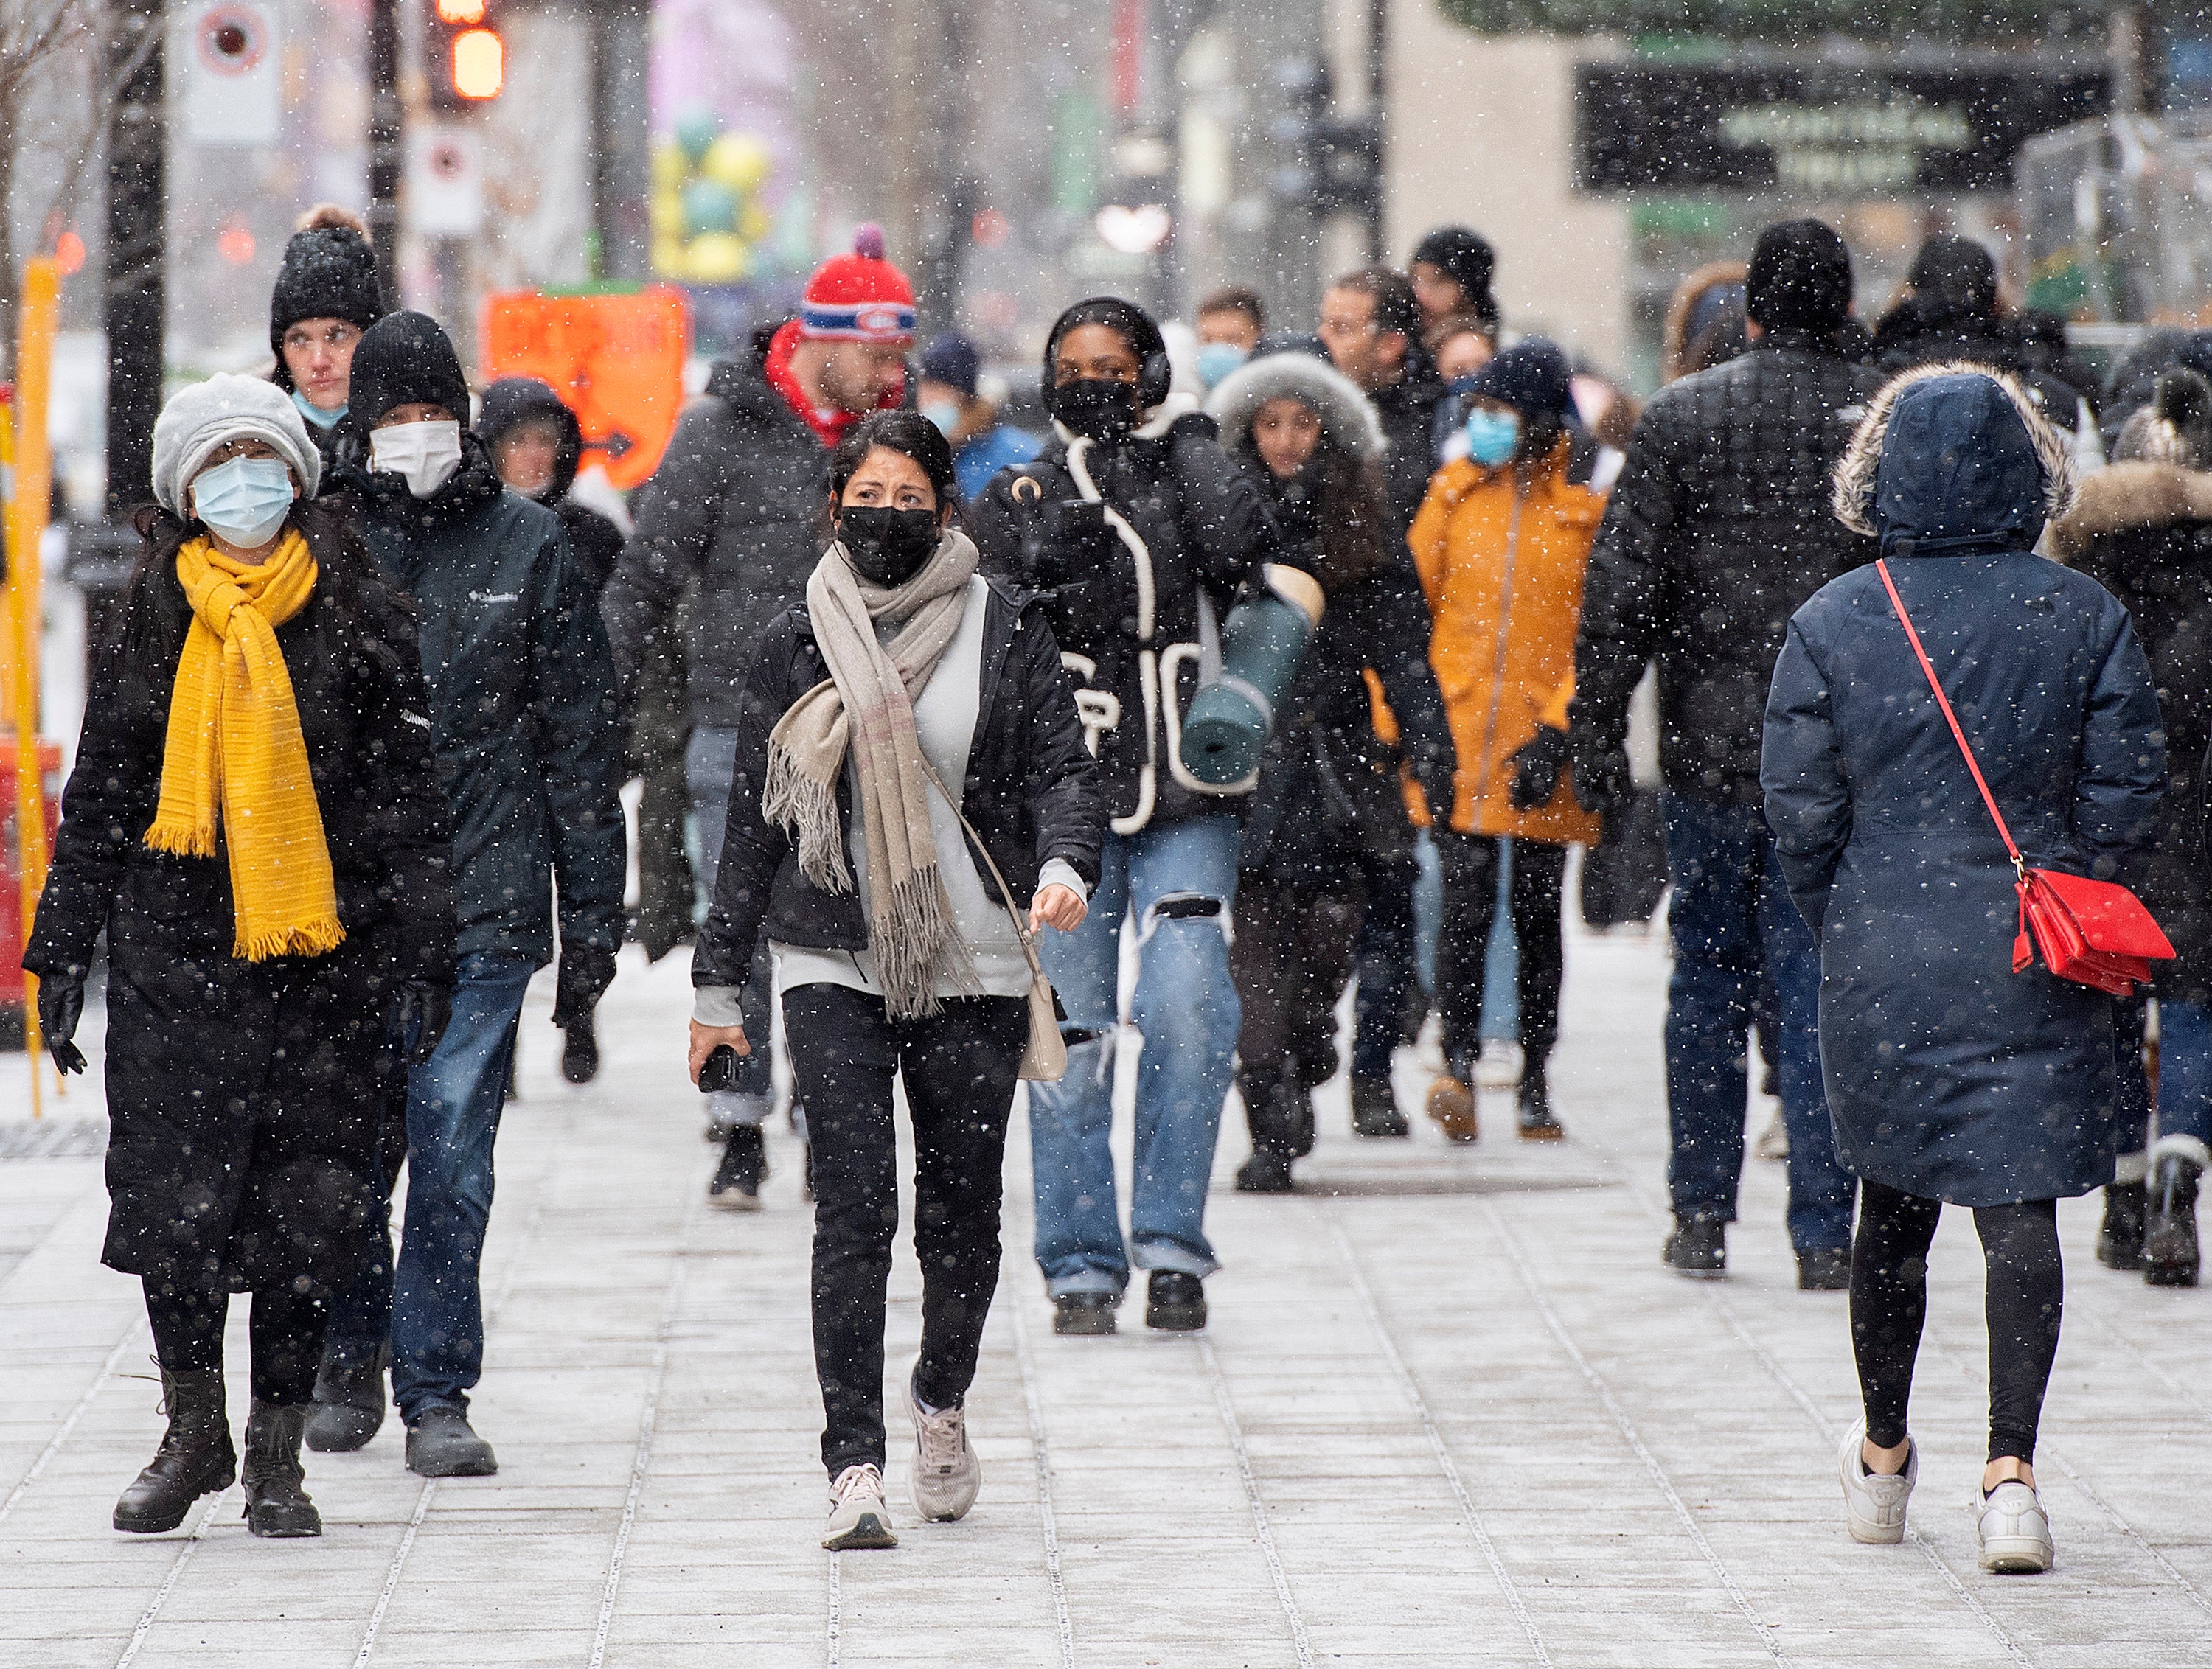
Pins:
x: 1501, y: 543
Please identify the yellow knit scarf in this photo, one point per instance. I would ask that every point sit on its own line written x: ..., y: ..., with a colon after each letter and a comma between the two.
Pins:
x: 234, y: 748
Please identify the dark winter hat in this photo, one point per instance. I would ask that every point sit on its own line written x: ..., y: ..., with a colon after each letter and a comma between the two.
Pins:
x: 1465, y: 257
x: 951, y: 358
x: 1531, y: 376
x: 329, y: 272
x: 1954, y: 278
x: 1799, y: 278
x: 405, y: 358
x: 512, y: 401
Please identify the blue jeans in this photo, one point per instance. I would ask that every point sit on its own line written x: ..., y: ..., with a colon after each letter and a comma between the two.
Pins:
x: 2184, y: 1079
x: 710, y: 760
x: 1731, y: 916
x: 431, y: 1305
x: 1185, y: 1010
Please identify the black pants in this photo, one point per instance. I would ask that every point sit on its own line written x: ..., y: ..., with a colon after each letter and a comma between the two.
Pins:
x: 1292, y: 956
x: 959, y: 1067
x: 2022, y: 1299
x: 286, y: 1327
x: 1470, y: 867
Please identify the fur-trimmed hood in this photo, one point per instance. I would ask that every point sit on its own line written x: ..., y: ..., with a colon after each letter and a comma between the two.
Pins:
x: 1688, y: 316
x: 2129, y: 497
x: 1952, y: 506
x: 1347, y: 416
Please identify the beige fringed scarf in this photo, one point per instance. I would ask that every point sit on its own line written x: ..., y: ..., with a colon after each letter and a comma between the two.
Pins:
x: 867, y: 706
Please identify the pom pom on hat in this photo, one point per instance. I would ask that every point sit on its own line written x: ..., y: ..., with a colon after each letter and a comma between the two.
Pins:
x: 860, y: 297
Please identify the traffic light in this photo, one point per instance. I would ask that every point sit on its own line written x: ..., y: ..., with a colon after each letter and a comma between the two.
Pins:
x: 1328, y: 163
x: 464, y: 55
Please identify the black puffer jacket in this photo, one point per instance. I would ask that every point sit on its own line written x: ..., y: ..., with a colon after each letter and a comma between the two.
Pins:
x: 738, y: 507
x: 522, y: 708
x: 1908, y: 336
x: 1031, y: 789
x: 594, y: 542
x: 1129, y: 626
x: 1718, y: 530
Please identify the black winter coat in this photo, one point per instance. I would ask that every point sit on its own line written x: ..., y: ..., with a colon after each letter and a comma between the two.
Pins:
x: 242, y: 1097
x: 2144, y: 531
x: 1129, y: 626
x: 522, y: 708
x: 1717, y: 530
x: 738, y: 507
x: 1031, y: 789
x: 1408, y: 410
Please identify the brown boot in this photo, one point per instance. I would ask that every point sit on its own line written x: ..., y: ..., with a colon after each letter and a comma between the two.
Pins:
x: 195, y: 1457
x: 1451, y: 1102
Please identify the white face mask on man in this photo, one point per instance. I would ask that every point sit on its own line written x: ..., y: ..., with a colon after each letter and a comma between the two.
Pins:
x: 426, y: 454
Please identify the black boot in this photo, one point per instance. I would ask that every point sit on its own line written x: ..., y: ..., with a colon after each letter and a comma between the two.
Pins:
x: 1175, y: 1302
x: 1698, y: 1247
x: 1265, y: 1172
x: 2171, y: 1258
x: 736, y: 1186
x: 2120, y: 1240
x: 579, y: 1054
x: 195, y: 1457
x: 1375, y: 1109
x: 349, y: 1406
x: 1271, y: 1105
x: 1537, y: 1124
x: 275, y: 1504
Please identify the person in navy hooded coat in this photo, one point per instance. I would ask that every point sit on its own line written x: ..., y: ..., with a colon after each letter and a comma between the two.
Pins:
x: 1950, y: 1077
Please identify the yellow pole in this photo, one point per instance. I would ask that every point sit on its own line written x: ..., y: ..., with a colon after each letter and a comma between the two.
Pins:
x: 32, y: 488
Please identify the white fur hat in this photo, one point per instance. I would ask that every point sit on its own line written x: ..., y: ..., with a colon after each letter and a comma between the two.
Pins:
x: 201, y: 418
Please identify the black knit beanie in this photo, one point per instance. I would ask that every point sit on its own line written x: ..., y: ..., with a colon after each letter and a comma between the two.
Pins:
x: 1953, y: 279
x: 1800, y: 278
x: 1532, y: 376
x: 329, y: 272
x: 404, y: 358
x: 1466, y: 257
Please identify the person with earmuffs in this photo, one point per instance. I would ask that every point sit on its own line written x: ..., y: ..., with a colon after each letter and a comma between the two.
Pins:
x: 1141, y: 532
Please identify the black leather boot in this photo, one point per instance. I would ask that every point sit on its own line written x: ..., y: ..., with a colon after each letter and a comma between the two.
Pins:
x: 580, y: 1053
x: 350, y: 1404
x: 1534, y: 1098
x: 1375, y: 1109
x: 195, y: 1457
x: 275, y: 1504
x: 2120, y: 1239
x: 2171, y: 1257
x: 1271, y: 1105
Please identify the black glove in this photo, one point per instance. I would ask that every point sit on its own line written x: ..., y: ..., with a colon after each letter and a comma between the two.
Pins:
x: 586, y: 972
x: 1536, y: 769
x: 1602, y: 783
x: 61, y: 1005
x: 424, y: 1012
x: 1436, y: 770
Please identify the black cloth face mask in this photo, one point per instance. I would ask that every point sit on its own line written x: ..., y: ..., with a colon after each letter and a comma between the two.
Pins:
x: 887, y: 546
x: 1096, y: 408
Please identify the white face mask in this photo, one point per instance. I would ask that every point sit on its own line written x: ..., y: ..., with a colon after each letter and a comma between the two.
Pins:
x: 426, y: 454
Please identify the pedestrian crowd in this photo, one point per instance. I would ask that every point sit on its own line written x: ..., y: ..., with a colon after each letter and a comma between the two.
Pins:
x: 1296, y: 663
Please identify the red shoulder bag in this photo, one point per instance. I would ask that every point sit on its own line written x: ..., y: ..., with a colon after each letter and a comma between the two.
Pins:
x: 2093, y: 932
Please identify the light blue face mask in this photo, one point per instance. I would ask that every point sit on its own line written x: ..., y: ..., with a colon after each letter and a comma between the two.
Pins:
x: 245, y: 501
x: 1218, y: 359
x: 945, y: 414
x: 1492, y: 436
x: 314, y: 413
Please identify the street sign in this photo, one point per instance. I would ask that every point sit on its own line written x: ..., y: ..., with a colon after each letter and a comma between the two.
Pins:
x: 616, y: 359
x: 445, y: 182
x: 232, y: 55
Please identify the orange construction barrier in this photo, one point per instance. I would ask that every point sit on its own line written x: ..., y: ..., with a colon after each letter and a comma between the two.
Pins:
x: 15, y: 911
x: 616, y: 359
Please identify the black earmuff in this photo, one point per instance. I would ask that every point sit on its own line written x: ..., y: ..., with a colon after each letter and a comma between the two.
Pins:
x: 1154, y: 377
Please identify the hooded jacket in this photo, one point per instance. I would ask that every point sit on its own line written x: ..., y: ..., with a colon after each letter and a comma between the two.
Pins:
x: 1948, y: 1076
x: 1328, y: 788
x: 2143, y: 529
x: 738, y: 510
x: 594, y: 542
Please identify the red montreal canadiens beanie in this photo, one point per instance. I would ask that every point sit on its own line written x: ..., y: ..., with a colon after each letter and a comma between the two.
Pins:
x: 860, y: 297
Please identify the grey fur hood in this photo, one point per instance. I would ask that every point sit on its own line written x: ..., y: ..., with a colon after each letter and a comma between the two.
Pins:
x: 1852, y: 499
x: 1347, y: 416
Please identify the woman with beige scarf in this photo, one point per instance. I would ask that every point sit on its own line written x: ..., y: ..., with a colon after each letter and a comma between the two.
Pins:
x: 912, y: 798
x: 254, y: 820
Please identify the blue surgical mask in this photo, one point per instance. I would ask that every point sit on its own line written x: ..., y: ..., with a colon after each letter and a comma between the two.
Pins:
x: 945, y: 414
x: 1492, y: 436
x: 1218, y: 359
x: 314, y: 413
x: 245, y: 501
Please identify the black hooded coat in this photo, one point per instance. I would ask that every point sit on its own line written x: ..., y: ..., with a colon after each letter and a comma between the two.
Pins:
x: 594, y: 542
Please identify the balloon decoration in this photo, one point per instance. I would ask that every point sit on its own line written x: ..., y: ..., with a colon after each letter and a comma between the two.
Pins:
x: 711, y: 224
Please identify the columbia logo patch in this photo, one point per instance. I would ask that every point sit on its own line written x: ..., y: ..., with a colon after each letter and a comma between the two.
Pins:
x: 494, y: 596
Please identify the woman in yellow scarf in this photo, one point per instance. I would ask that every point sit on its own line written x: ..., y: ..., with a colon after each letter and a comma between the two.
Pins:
x: 255, y: 820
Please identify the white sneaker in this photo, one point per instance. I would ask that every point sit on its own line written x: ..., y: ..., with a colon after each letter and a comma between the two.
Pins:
x: 946, y: 1473
x: 1774, y: 1141
x: 858, y: 1517
x: 1873, y: 1504
x: 2015, y: 1533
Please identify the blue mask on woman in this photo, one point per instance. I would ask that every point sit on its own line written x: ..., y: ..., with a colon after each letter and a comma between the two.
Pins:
x: 1492, y: 436
x: 1218, y: 359
x: 245, y: 500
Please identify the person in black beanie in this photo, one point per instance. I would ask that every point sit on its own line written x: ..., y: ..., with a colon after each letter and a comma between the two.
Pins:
x: 1718, y: 530
x: 1451, y: 272
x: 523, y: 725
x: 327, y: 293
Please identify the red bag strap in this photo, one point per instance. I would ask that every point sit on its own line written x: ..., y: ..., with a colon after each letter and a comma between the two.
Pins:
x: 2018, y: 863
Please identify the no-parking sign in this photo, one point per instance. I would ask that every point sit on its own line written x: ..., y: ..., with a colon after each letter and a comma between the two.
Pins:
x: 232, y: 54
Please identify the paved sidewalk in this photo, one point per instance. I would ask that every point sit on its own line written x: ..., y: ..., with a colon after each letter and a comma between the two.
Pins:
x: 1450, y: 1410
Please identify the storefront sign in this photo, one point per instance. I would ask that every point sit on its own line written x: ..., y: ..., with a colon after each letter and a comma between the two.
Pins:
x: 1822, y: 129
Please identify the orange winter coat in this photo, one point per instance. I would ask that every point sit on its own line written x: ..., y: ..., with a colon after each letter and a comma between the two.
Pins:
x: 1502, y: 566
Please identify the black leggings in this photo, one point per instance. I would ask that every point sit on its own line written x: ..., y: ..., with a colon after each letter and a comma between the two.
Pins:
x: 1470, y: 873
x: 2022, y: 1299
x: 286, y: 1329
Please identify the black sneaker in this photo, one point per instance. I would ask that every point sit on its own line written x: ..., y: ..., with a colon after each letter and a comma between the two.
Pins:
x: 2120, y: 1239
x: 1265, y: 1172
x: 1824, y: 1269
x: 1699, y: 1246
x: 579, y: 1055
x: 1175, y: 1302
x: 441, y: 1443
x: 1085, y: 1314
x: 1375, y: 1109
x: 1537, y: 1124
x: 736, y: 1186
